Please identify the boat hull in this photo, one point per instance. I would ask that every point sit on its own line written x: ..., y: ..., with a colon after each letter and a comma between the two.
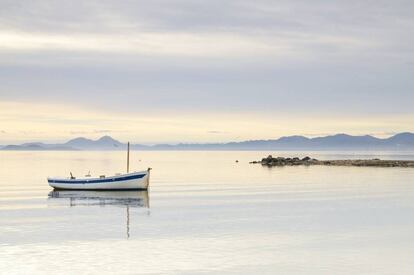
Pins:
x: 131, y: 181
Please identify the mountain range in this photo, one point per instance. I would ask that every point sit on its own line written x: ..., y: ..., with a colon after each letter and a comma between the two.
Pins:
x: 402, y: 141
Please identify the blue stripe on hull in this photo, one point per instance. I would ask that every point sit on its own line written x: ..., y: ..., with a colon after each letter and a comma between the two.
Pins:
x: 99, y: 180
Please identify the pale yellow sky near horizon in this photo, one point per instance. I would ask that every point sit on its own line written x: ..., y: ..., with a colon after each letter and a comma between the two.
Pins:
x: 50, y: 122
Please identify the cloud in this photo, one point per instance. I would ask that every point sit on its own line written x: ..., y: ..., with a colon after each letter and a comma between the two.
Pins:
x: 237, y: 15
x: 44, y: 122
x: 152, y: 44
x: 88, y: 132
x: 102, y: 131
x: 186, y: 58
x: 192, y: 28
x: 216, y: 132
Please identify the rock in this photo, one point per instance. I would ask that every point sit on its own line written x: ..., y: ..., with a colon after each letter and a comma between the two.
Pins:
x: 280, y: 161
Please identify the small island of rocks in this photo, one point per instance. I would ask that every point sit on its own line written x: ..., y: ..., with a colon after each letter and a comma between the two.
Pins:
x: 281, y: 161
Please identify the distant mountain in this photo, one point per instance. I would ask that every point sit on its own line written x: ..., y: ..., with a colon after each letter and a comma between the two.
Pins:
x: 104, y: 143
x: 403, y: 141
x: 36, y: 147
x: 22, y: 147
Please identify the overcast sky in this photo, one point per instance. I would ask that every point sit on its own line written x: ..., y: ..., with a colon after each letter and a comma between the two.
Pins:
x: 204, y: 71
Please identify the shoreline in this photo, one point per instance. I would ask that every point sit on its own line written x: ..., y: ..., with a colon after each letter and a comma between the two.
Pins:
x: 307, y: 161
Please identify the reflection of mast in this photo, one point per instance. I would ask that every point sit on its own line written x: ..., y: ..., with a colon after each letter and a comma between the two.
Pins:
x: 127, y: 221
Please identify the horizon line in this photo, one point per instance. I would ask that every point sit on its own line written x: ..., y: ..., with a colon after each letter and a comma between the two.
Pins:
x: 212, y: 143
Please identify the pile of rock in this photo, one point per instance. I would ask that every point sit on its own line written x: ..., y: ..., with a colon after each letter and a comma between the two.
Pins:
x: 281, y: 161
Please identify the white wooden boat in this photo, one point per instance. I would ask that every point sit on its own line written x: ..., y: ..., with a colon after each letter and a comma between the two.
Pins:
x: 128, y: 181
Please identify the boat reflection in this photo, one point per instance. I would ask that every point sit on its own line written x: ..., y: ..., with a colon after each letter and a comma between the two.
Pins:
x: 101, y: 198
x: 123, y: 199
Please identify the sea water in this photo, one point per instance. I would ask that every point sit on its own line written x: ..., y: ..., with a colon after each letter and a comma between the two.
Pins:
x: 206, y: 213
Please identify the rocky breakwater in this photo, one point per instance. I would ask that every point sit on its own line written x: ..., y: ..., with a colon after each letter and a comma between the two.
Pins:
x: 281, y: 161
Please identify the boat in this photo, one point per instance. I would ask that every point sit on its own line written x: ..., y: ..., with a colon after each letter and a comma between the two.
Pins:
x: 127, y: 181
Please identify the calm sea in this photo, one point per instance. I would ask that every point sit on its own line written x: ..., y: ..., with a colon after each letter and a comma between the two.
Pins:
x: 205, y: 213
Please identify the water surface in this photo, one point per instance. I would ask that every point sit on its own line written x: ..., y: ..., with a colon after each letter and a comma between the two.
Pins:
x: 205, y: 213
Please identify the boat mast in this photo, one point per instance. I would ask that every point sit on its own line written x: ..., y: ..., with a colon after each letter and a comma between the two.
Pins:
x: 128, y: 159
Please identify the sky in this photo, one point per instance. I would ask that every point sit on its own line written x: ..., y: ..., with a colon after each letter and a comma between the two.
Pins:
x: 204, y: 71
